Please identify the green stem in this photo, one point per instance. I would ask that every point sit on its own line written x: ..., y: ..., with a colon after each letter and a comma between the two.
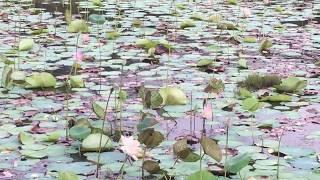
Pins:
x: 278, y: 160
x: 226, y: 153
x: 75, y: 64
x: 79, y: 148
x: 201, y: 161
x: 143, y: 157
x: 121, y: 103
x: 191, y: 111
x: 252, y: 134
x: 240, y: 176
x: 68, y: 88
x: 121, y: 169
x: 175, y: 162
x: 102, y: 128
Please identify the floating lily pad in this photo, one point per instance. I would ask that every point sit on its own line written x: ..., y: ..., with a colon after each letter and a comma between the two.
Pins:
x: 94, y: 142
x: 76, y: 26
x: 26, y: 44
x: 173, y: 96
x: 236, y: 163
x: 205, y: 175
x: 41, y: 80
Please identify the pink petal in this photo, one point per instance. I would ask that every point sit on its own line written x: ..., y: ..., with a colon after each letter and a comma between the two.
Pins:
x: 207, y: 111
x: 78, y: 56
x: 85, y: 38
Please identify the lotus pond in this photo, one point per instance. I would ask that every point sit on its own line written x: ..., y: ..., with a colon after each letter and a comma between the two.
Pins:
x: 160, y: 89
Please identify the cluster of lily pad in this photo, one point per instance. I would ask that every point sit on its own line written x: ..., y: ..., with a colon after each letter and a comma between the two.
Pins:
x: 106, y: 144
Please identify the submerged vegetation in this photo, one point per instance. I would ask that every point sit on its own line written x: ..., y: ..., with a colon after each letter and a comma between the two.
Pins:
x: 108, y: 89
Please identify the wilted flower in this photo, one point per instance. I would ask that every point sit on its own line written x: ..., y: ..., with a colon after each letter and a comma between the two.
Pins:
x: 246, y: 12
x: 207, y: 111
x: 85, y: 38
x: 130, y: 146
x: 78, y: 56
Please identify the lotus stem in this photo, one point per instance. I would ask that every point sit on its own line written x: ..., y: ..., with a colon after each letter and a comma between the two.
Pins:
x: 143, y: 157
x: 191, y: 111
x: 121, y: 103
x: 252, y: 133
x: 75, y: 64
x: 226, y: 152
x: 121, y: 169
x: 240, y: 176
x: 278, y: 155
x: 102, y: 128
x: 201, y: 157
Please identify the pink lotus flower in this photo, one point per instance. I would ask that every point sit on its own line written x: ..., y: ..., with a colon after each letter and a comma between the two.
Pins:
x: 85, y: 38
x: 246, y: 12
x: 131, y: 147
x: 78, y: 56
x: 207, y: 111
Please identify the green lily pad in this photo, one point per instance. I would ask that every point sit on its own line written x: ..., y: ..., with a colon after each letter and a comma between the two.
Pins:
x: 204, y: 175
x: 76, y: 81
x: 84, y: 168
x: 232, y: 2
x: 6, y: 75
x: 173, y: 96
x: 98, y: 109
x: 244, y: 93
x: 106, y: 157
x: 291, y: 85
x: 92, y: 143
x: 250, y: 39
x: 187, y: 24
x: 295, y: 151
x: 204, y: 62
x: 25, y: 138
x: 96, y: 18
x: 112, y: 35
x: 192, y: 157
x: 79, y: 132
x: 34, y: 154
x: 265, y: 45
x: 146, y: 43
x: 96, y: 2
x: 251, y: 104
x: 18, y: 76
x: 26, y: 44
x: 277, y: 98
x: 243, y: 63
x: 67, y: 175
x: 236, y: 163
x: 225, y: 25
x: 41, y: 80
x: 78, y: 25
